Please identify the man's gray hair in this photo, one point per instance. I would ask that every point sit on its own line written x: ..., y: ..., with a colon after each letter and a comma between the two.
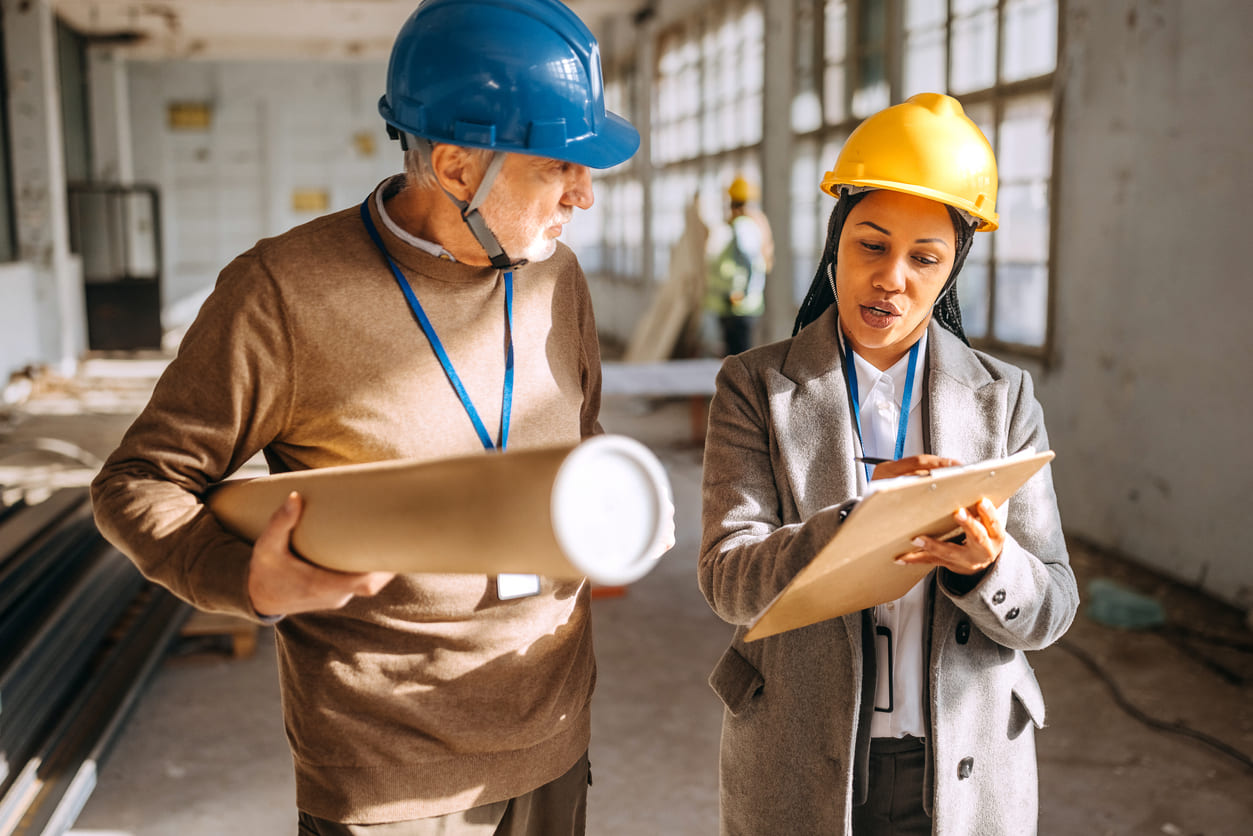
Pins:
x: 418, y: 171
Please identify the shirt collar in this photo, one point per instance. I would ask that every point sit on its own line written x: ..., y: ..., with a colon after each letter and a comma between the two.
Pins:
x: 893, y: 379
x: 388, y: 186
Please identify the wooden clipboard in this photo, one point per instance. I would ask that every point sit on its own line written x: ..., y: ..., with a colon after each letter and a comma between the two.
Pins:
x: 856, y: 569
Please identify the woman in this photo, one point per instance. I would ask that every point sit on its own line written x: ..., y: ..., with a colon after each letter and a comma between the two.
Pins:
x: 915, y: 716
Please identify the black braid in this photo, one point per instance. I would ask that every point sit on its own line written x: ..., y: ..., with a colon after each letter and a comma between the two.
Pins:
x: 821, y: 294
x: 947, y: 309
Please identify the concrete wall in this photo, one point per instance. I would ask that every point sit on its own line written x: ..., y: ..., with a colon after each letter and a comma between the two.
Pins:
x: 276, y: 128
x: 20, y: 341
x: 1148, y: 402
x: 43, y: 294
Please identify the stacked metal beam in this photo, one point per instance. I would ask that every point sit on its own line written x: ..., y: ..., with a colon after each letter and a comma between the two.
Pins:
x: 80, y: 634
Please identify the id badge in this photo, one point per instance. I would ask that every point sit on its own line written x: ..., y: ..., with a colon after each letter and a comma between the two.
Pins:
x: 509, y: 587
x: 884, y: 663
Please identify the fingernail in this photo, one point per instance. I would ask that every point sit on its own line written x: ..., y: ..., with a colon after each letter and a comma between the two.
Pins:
x: 919, y: 542
x: 290, y: 504
x: 900, y: 561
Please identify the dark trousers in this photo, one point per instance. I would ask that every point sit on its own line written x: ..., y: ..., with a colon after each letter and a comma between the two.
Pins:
x: 894, y: 805
x: 558, y: 808
x: 737, y: 333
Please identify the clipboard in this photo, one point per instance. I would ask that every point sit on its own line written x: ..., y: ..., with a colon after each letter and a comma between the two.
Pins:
x: 856, y: 569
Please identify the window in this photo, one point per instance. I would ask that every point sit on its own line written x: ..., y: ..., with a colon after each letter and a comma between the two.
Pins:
x: 706, y: 120
x: 72, y: 61
x: 609, y: 237
x: 871, y: 92
x: 996, y: 56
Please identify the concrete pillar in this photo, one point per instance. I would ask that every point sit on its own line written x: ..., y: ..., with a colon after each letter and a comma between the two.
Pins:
x: 776, y: 152
x: 110, y: 117
x: 38, y: 164
x: 645, y: 79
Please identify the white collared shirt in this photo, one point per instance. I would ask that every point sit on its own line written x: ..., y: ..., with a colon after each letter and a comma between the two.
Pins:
x: 900, y: 660
x: 395, y: 229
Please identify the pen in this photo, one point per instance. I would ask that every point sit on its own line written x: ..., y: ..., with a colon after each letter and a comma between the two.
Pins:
x: 872, y: 460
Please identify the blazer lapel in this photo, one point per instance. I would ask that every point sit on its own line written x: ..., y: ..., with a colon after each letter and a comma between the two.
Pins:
x: 811, y: 413
x: 966, y: 416
x: 813, y: 422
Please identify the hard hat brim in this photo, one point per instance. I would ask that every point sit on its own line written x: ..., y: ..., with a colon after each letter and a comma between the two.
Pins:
x: 988, y: 221
x: 615, y: 143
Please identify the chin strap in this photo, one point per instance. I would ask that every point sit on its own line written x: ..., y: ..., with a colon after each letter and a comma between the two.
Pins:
x: 470, y: 211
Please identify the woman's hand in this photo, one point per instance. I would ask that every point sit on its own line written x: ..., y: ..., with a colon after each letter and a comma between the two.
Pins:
x: 981, y: 544
x: 912, y: 466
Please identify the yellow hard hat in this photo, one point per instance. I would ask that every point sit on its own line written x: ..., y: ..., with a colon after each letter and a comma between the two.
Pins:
x: 741, y: 191
x: 926, y: 146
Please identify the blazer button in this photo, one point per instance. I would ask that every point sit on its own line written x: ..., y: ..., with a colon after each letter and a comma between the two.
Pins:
x: 964, y: 768
x: 963, y: 632
x: 998, y: 597
x: 1012, y: 614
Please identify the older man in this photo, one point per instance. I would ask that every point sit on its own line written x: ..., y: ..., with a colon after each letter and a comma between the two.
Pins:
x: 438, y: 318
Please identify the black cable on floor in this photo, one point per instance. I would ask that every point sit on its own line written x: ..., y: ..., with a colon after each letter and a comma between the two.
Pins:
x: 1181, y: 640
x: 1152, y: 722
x: 1213, y: 638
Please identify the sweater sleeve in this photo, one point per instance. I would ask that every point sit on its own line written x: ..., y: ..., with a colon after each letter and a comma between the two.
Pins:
x: 224, y: 397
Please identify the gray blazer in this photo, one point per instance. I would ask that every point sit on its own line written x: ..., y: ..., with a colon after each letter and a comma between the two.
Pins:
x: 778, y: 474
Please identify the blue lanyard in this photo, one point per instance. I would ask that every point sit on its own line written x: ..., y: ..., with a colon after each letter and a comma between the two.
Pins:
x: 850, y: 365
x: 438, y: 347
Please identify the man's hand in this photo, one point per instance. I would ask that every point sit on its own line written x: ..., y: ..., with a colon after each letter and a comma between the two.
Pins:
x: 280, y: 583
x: 984, y: 538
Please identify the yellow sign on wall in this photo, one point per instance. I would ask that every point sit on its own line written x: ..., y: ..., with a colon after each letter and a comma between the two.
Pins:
x: 189, y: 116
x: 363, y: 141
x: 310, y: 200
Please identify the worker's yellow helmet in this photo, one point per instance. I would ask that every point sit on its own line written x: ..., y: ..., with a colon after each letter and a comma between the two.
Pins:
x: 926, y: 146
x: 741, y: 191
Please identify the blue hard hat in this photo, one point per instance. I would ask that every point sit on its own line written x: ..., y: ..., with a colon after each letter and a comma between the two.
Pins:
x: 509, y: 75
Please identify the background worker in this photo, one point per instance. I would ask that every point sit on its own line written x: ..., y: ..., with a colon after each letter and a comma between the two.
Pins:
x: 916, y: 716
x: 414, y: 704
x: 735, y: 290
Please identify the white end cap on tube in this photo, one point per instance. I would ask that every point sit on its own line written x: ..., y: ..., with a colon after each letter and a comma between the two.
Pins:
x: 609, y: 505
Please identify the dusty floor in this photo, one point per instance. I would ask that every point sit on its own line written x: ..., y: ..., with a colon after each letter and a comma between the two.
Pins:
x: 204, y: 754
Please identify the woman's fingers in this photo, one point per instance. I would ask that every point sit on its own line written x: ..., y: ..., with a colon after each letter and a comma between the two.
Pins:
x: 981, y: 546
x: 920, y: 465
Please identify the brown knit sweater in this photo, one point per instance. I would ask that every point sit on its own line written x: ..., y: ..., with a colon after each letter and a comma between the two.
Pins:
x: 434, y: 696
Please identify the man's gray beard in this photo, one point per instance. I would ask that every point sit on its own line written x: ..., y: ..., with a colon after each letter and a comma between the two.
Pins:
x: 538, y: 249
x: 549, y: 247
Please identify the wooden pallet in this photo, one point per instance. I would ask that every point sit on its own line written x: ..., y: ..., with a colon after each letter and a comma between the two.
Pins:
x: 242, y: 633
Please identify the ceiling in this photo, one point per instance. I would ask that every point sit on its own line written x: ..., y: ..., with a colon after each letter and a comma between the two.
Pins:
x: 252, y: 29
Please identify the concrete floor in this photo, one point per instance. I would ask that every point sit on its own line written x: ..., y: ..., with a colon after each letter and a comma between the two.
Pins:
x: 205, y: 754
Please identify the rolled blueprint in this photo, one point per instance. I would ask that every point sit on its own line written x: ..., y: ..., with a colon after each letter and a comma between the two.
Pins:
x: 598, y: 509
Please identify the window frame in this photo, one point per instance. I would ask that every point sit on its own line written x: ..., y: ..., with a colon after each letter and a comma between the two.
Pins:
x: 712, y: 168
